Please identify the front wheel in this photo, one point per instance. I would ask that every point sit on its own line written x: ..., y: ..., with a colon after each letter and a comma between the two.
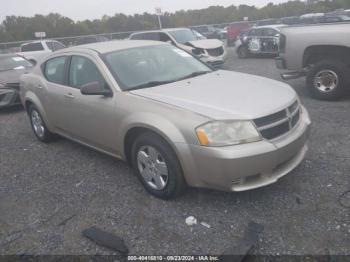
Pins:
x: 326, y: 80
x: 38, y: 125
x: 243, y: 52
x: 157, y: 167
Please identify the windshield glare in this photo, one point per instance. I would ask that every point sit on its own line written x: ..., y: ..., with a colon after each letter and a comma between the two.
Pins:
x: 13, y: 62
x: 183, y: 36
x: 164, y: 63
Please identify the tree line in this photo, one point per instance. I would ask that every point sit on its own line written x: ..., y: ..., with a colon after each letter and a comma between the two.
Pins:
x: 18, y: 28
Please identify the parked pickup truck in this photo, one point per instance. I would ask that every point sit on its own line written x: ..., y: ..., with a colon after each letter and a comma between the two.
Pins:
x: 37, y: 50
x: 319, y: 52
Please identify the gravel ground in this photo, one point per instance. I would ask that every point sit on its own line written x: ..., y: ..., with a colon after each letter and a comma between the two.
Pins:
x: 49, y: 193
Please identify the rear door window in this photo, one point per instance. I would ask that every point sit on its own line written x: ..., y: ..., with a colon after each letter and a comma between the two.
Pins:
x: 58, y: 46
x: 50, y: 46
x: 55, y: 70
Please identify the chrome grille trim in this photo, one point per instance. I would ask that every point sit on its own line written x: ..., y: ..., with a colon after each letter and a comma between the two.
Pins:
x: 280, y: 123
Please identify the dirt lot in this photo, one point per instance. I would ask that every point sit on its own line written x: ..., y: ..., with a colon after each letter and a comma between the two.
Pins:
x: 49, y: 193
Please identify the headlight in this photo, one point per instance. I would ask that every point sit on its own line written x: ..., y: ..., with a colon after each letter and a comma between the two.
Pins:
x: 225, y: 133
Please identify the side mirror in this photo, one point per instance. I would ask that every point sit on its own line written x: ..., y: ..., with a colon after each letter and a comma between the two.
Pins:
x: 94, y: 88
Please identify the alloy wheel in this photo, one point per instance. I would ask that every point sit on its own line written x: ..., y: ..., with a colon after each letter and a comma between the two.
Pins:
x: 152, y: 167
x: 38, y: 124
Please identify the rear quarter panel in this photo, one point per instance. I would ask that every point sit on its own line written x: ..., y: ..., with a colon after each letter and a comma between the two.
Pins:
x: 29, y: 93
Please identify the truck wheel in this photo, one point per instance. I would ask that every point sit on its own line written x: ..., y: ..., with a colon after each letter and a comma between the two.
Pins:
x: 243, y: 52
x: 157, y: 167
x: 326, y: 80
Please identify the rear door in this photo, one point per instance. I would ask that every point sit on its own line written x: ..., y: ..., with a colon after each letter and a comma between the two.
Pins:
x: 54, y: 71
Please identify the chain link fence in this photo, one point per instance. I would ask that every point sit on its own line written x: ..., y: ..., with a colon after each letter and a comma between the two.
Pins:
x: 13, y: 47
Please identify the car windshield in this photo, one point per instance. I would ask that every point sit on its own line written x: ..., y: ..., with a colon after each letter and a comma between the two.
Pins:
x: 13, y: 62
x: 183, y: 36
x: 149, y: 66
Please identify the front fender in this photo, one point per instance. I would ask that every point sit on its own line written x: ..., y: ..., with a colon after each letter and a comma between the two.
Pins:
x: 154, y: 122
x: 168, y: 131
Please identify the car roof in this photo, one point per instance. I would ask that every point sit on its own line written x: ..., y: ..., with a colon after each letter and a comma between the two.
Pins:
x: 270, y: 26
x: 39, y: 41
x: 161, y: 30
x: 110, y: 46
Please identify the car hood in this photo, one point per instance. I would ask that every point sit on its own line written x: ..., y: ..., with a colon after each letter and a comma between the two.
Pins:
x: 224, y: 95
x: 206, y: 43
x: 11, y: 76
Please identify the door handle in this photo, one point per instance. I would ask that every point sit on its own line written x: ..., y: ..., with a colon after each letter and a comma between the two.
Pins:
x: 39, y: 86
x: 69, y: 95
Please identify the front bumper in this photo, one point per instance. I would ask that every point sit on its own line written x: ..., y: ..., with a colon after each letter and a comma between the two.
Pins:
x: 248, y: 166
x: 9, y: 97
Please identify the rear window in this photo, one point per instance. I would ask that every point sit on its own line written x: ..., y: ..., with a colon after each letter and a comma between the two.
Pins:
x: 146, y: 36
x: 32, y: 47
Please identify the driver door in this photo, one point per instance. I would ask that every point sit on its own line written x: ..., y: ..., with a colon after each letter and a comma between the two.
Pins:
x: 89, y: 118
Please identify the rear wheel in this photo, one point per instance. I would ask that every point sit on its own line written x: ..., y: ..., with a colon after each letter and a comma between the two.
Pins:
x: 157, y: 167
x: 243, y: 52
x: 327, y: 80
x: 38, y: 125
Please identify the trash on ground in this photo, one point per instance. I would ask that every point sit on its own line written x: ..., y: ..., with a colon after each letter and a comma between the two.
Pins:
x: 191, y: 221
x: 205, y: 224
x: 106, y: 239
x: 78, y: 184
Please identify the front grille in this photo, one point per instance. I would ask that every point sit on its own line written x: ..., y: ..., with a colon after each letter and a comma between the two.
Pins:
x: 216, y: 51
x: 267, y: 120
x: 280, y: 123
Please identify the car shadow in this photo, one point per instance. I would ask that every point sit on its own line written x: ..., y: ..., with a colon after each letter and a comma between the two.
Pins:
x: 12, y: 109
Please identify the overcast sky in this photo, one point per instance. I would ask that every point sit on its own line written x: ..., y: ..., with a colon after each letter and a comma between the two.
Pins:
x: 90, y: 9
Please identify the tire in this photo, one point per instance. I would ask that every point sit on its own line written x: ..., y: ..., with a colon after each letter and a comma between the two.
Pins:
x: 142, y: 152
x: 321, y: 76
x: 38, y: 125
x: 243, y: 52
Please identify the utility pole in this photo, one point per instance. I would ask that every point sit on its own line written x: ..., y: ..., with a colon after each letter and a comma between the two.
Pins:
x: 159, y: 14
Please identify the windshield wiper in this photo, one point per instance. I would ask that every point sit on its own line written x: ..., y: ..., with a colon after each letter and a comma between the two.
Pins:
x: 194, y: 74
x: 149, y: 84
x: 158, y: 83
